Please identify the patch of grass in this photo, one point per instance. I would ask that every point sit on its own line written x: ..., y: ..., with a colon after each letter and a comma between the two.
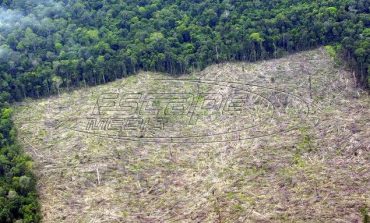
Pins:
x: 331, y: 50
x: 306, y: 141
x: 365, y: 215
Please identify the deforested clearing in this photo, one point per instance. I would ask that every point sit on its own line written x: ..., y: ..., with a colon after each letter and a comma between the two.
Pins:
x: 304, y: 159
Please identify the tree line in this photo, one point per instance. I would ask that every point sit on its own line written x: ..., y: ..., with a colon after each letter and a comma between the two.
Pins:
x: 18, y: 197
x: 92, y: 42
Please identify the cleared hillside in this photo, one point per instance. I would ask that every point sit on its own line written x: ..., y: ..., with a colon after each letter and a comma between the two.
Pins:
x: 283, y: 140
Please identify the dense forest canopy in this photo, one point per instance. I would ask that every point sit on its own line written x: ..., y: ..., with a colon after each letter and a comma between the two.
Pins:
x: 46, y: 45
x: 50, y: 44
